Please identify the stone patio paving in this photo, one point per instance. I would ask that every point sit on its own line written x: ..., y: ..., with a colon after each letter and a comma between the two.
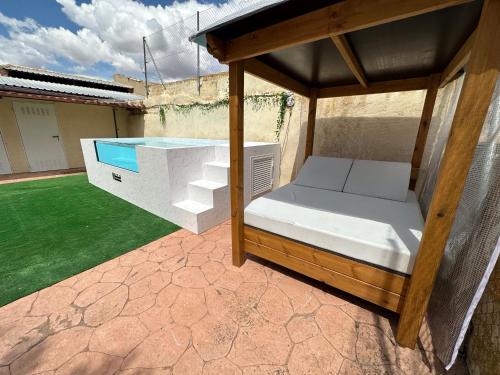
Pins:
x: 178, y: 306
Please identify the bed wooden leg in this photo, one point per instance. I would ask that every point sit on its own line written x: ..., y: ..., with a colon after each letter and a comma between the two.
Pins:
x: 236, y: 92
x: 473, y: 103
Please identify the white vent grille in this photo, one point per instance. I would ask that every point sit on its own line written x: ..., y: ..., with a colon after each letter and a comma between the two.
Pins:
x: 262, y: 174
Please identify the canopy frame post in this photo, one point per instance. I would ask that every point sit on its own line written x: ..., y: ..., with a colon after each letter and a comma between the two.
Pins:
x: 236, y: 129
x: 311, y: 123
x: 423, y: 128
x: 473, y: 103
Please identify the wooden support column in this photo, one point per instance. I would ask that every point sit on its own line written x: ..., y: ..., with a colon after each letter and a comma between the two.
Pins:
x: 472, y: 107
x: 423, y: 129
x: 236, y: 82
x: 311, y: 122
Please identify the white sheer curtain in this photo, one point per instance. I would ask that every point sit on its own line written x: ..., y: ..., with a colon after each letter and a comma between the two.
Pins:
x: 473, y: 247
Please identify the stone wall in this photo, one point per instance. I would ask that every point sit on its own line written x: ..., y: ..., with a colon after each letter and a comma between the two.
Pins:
x: 381, y: 127
x: 137, y: 84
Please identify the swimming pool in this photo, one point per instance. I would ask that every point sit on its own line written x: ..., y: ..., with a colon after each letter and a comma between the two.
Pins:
x: 185, y: 181
x: 122, y: 153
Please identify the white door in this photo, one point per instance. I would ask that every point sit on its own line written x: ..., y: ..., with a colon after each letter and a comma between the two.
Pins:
x: 42, y: 143
x: 4, y: 160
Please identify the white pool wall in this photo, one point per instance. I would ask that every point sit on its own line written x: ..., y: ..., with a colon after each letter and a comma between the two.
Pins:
x: 164, y: 175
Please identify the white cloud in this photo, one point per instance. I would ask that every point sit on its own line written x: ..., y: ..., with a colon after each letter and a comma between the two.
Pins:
x: 27, y: 24
x: 111, y: 31
x: 13, y: 51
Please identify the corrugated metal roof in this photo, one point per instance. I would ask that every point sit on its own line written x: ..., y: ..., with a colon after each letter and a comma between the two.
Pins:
x: 49, y: 73
x: 67, y: 89
x: 68, y: 98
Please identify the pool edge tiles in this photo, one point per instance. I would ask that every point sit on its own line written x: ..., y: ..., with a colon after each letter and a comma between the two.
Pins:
x: 122, y: 152
x: 164, y: 142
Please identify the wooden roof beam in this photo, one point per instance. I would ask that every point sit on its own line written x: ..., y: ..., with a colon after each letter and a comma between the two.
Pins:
x: 409, y: 84
x: 216, y: 47
x: 336, y: 19
x: 270, y: 74
x: 458, y: 61
x: 350, y: 59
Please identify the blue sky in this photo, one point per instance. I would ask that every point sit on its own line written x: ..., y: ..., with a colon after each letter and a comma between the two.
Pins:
x: 48, y: 12
x: 80, y: 36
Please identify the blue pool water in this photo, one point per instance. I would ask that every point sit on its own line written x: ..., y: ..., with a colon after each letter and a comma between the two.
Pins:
x: 121, y: 153
x: 122, y: 156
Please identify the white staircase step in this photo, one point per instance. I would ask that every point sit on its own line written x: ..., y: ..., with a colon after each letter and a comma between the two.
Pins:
x: 192, y: 206
x: 207, y: 184
x: 221, y: 164
x: 216, y: 171
x: 203, y: 191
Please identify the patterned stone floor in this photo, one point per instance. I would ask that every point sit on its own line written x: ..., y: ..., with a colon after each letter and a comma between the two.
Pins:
x: 178, y: 306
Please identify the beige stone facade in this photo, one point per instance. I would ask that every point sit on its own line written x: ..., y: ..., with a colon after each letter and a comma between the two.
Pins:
x: 136, y: 84
x: 74, y: 121
x: 380, y: 127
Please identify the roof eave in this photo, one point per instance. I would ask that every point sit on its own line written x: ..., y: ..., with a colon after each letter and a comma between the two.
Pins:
x: 16, y: 92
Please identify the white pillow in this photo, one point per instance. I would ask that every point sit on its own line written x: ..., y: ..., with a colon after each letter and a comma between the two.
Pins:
x: 324, y: 173
x: 381, y: 179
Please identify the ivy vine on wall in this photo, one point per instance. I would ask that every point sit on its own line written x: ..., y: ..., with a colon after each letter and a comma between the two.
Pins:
x: 257, y: 101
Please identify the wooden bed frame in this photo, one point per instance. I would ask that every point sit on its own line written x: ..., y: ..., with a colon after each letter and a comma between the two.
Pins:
x: 382, y: 287
x: 405, y: 295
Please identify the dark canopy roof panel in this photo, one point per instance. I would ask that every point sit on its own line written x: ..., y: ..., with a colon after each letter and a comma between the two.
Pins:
x: 260, y: 15
x: 412, y: 47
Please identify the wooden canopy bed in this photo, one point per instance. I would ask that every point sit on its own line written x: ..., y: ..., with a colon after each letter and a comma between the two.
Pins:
x: 321, y: 49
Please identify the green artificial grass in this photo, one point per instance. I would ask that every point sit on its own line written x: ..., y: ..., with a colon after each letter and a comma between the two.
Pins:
x: 54, y: 228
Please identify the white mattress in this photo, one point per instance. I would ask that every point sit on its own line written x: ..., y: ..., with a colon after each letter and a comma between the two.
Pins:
x: 378, y: 231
